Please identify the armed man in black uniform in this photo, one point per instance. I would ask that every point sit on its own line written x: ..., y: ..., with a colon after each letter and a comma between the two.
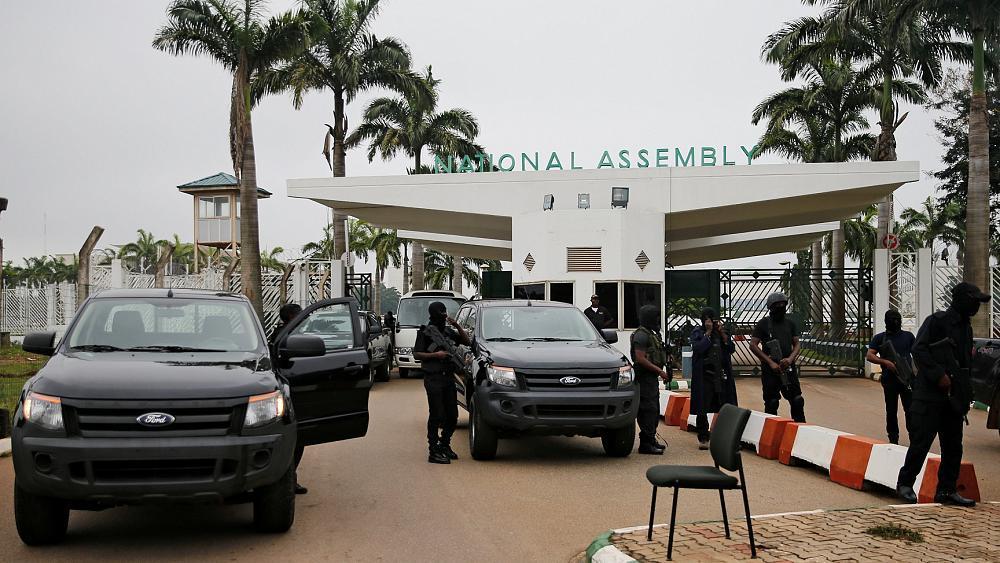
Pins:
x: 942, y: 393
x: 435, y: 348
x: 775, y: 341
x: 649, y: 356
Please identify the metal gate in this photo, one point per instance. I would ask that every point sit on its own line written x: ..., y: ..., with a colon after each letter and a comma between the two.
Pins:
x: 832, y: 309
x: 359, y: 286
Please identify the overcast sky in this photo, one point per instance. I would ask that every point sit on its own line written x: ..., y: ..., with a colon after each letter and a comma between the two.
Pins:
x: 98, y: 128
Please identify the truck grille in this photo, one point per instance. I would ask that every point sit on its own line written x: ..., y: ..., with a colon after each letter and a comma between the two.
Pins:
x: 549, y: 380
x: 111, y: 419
x: 569, y: 411
x: 161, y: 470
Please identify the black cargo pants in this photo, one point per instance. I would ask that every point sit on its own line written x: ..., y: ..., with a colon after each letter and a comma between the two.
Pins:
x: 649, y: 407
x: 442, y: 407
x: 774, y: 390
x: 927, y: 420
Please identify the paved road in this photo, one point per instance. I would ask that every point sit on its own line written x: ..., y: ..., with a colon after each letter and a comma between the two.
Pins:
x: 543, y: 499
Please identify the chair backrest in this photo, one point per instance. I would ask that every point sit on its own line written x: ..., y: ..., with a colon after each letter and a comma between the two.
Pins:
x: 126, y: 323
x: 726, y: 434
x: 216, y: 326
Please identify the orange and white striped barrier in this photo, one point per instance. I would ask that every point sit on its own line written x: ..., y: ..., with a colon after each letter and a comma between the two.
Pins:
x: 808, y: 443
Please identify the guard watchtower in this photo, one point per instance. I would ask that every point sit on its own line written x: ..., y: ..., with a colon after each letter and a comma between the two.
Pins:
x: 217, y: 213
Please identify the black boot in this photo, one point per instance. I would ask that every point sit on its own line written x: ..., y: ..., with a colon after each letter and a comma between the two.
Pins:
x: 650, y: 449
x: 954, y: 499
x: 300, y: 490
x: 437, y: 456
x: 445, y: 448
x: 906, y: 494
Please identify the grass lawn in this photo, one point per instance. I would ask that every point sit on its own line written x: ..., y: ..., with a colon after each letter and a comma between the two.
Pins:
x: 15, y: 362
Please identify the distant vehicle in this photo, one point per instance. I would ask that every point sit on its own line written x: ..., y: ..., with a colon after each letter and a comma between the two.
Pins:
x: 158, y: 395
x: 411, y: 314
x: 986, y: 377
x: 540, y: 367
x: 379, y: 344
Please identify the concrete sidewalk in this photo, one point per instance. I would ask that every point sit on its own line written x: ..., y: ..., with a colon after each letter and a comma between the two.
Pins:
x: 949, y: 534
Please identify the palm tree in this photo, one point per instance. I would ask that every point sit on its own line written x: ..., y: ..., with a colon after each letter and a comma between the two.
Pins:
x: 269, y: 259
x: 440, y: 269
x: 411, y: 124
x: 323, y: 249
x: 930, y: 224
x: 143, y: 252
x: 890, y: 40
x: 347, y: 59
x: 236, y: 35
x: 385, y: 244
x: 183, y: 252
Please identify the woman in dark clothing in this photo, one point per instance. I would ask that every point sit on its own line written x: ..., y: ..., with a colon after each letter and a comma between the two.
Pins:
x: 712, y: 383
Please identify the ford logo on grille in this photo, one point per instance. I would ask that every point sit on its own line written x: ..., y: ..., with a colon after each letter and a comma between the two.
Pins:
x: 155, y: 419
x: 570, y: 380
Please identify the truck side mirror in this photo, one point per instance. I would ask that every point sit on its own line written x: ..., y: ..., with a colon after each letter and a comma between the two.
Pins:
x: 40, y: 343
x: 303, y: 346
x: 610, y: 335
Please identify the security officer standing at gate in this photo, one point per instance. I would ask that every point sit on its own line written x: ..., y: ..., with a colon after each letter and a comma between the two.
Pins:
x: 894, y: 380
x: 649, y: 356
x: 942, y: 393
x: 779, y: 376
x: 439, y: 379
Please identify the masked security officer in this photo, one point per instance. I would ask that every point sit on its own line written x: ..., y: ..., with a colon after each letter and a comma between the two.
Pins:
x: 712, y: 383
x: 778, y: 376
x: 942, y: 393
x: 649, y: 356
x: 439, y: 381
x: 895, y: 383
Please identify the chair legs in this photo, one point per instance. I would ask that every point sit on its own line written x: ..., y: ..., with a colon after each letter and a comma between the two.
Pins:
x: 725, y: 517
x: 673, y: 517
x: 746, y: 509
x: 652, y: 512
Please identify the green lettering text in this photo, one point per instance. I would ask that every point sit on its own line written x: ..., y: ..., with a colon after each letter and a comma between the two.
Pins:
x: 605, y: 161
x: 623, y: 158
x: 708, y: 156
x: 662, y: 155
x: 681, y: 161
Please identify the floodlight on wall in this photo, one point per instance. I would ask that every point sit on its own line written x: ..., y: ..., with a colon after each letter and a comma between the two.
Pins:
x: 547, y: 202
x: 583, y: 201
x: 3, y: 204
x: 619, y: 197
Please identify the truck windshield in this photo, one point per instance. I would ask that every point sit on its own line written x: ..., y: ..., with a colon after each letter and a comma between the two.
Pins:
x: 413, y: 310
x: 165, y: 324
x: 536, y: 323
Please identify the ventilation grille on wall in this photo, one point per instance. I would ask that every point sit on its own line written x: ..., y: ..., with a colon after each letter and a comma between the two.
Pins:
x: 642, y: 260
x: 583, y: 259
x: 529, y: 262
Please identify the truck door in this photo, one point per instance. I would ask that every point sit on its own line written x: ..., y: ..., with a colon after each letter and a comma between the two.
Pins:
x: 329, y: 392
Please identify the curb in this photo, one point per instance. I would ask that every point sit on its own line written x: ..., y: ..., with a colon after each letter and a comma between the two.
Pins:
x: 601, y: 550
x: 5, y: 447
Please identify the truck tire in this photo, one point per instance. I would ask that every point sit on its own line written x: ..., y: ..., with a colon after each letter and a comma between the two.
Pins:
x: 40, y: 520
x: 404, y: 373
x: 274, y: 504
x: 382, y: 372
x: 482, y: 437
x: 619, y: 442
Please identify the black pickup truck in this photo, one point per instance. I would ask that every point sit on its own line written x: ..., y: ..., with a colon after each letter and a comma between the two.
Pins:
x: 540, y: 367
x: 174, y: 396
x: 986, y: 377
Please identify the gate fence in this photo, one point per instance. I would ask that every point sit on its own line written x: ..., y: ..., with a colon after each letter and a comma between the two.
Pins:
x: 29, y: 309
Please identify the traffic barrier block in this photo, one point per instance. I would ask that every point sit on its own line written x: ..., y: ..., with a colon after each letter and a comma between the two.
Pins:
x: 884, y: 464
x: 968, y: 486
x: 771, y: 435
x: 815, y: 444
x: 682, y: 420
x: 675, y: 405
x: 693, y: 421
x: 754, y: 427
x: 850, y: 461
x: 788, y: 442
x: 664, y: 401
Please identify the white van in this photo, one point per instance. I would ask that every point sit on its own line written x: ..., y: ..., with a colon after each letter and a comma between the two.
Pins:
x: 411, y: 314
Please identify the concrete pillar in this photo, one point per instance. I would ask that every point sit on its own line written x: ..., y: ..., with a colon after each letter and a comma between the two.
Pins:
x: 816, y: 305
x: 117, y: 273
x: 925, y: 285
x: 301, y: 284
x: 337, y: 273
x: 881, y: 301
x: 50, y: 306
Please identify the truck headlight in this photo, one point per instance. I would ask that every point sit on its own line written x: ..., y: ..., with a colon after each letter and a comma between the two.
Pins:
x: 43, y: 410
x: 404, y: 351
x: 262, y: 409
x: 625, y: 376
x: 501, y: 376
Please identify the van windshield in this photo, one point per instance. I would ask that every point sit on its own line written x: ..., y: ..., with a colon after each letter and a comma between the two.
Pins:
x: 165, y: 324
x: 536, y: 323
x: 413, y: 310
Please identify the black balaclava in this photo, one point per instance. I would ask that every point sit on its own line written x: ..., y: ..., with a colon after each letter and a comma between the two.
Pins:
x: 649, y: 317
x: 777, y: 303
x: 438, y: 313
x: 965, y: 304
x: 893, y: 321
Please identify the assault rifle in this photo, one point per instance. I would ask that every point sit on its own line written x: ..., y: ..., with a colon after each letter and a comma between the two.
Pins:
x: 440, y: 342
x: 960, y: 393
x: 713, y: 363
x: 773, y: 349
x: 904, y: 371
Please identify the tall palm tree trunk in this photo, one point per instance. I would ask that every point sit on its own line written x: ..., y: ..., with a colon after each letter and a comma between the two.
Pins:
x: 406, y: 268
x: 816, y: 305
x: 977, y: 255
x: 418, y: 266
x: 885, y: 151
x: 377, y: 293
x: 456, y: 273
x: 249, y: 231
x: 339, y: 169
x: 837, y: 297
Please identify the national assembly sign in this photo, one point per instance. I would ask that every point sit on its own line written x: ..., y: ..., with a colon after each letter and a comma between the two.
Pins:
x: 621, y: 158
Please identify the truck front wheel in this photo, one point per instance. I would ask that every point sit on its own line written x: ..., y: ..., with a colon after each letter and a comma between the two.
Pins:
x: 40, y: 520
x: 482, y: 437
x: 619, y: 442
x: 274, y: 504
